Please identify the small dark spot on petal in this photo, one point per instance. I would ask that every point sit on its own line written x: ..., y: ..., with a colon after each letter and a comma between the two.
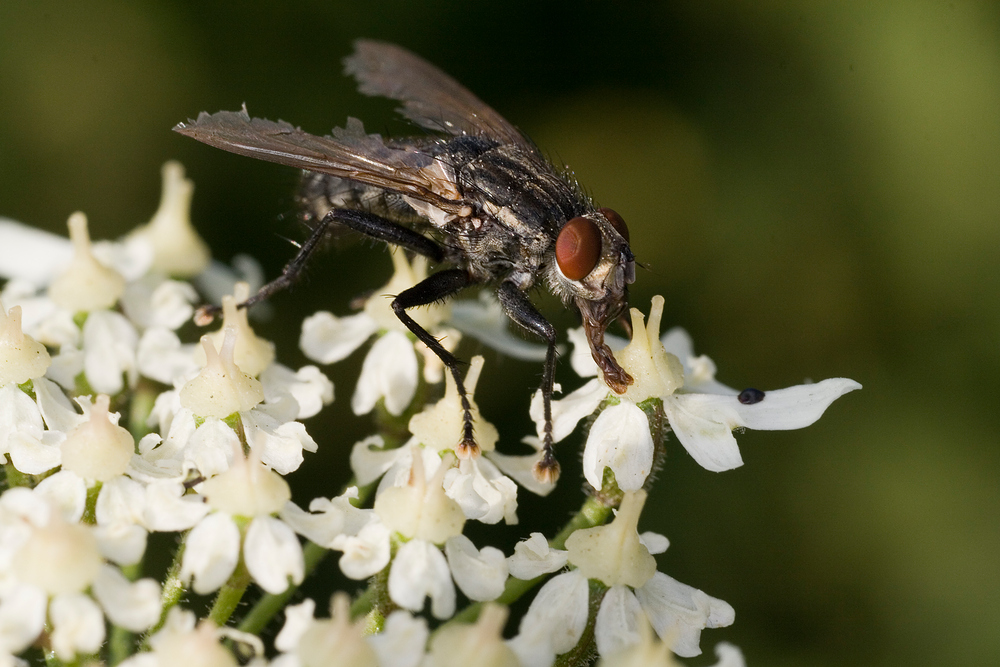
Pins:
x: 750, y: 396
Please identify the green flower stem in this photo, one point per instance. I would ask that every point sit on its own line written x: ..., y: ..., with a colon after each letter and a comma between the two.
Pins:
x: 90, y: 510
x: 229, y: 596
x: 586, y: 649
x: 15, y: 477
x: 173, y: 591
x: 140, y: 408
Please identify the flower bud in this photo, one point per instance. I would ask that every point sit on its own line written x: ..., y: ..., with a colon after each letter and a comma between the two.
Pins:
x: 613, y: 553
x: 247, y: 489
x: 221, y: 388
x: 336, y: 642
x: 252, y: 353
x: 87, y: 284
x: 421, y: 509
x: 98, y: 449
x: 58, y: 557
x: 22, y: 358
x: 440, y: 425
x: 480, y: 644
x: 656, y: 372
x: 177, y: 249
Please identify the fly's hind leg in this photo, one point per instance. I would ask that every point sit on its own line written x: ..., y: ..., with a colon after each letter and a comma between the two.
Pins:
x: 435, y: 288
x: 520, y: 309
x: 369, y: 224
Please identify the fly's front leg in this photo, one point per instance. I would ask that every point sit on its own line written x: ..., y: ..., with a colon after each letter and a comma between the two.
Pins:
x: 520, y: 309
x: 369, y: 224
x: 435, y: 288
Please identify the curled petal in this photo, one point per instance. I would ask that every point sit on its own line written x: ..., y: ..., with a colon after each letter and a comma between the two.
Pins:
x: 273, y: 554
x: 569, y: 410
x: 533, y: 557
x: 679, y: 612
x: 327, y: 338
x: 618, y: 621
x: 77, y: 625
x: 133, y: 605
x: 389, y: 371
x: 210, y: 553
x: 620, y: 440
x: 558, y: 614
x: 401, y: 643
x: 22, y: 616
x: 366, y: 553
x: 480, y: 574
x: 420, y: 571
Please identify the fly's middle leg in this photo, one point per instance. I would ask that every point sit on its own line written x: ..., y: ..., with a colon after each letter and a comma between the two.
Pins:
x: 520, y: 309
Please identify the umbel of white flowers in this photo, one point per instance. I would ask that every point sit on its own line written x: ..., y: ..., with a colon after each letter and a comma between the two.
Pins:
x: 113, y: 426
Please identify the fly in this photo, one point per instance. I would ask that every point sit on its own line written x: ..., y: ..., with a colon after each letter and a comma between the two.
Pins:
x: 475, y: 196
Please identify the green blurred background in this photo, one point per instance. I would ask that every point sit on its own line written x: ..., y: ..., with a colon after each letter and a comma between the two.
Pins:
x: 812, y: 186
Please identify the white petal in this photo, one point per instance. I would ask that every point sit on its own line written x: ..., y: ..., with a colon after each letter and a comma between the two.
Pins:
x: 161, y: 357
x: 133, y: 606
x: 18, y: 413
x: 620, y: 440
x: 211, y: 552
x: 279, y: 445
x: 710, y: 443
x: 57, y: 410
x: 483, y: 318
x: 559, y: 611
x: 699, y: 372
x: 273, y: 554
x: 581, y: 359
x: 365, y: 554
x: 521, y: 468
x: 77, y: 625
x: 402, y: 640
x: 420, y: 571
x: 703, y: 423
x: 327, y: 338
x: 533, y: 558
x: 169, y: 509
x: 298, y: 618
x: 152, y: 301
x: 654, y: 542
x: 480, y: 574
x: 31, y: 254
x: 729, y: 655
x: 109, y: 344
x: 369, y: 461
x: 309, y: 386
x: 210, y: 448
x: 121, y: 543
x: 33, y: 455
x: 326, y: 519
x: 618, y: 621
x: 679, y: 612
x: 67, y: 492
x: 22, y: 616
x: 389, y: 371
x: 794, y: 407
x: 483, y: 493
x: 569, y: 410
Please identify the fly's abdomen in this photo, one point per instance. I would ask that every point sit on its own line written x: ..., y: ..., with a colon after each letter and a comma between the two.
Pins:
x: 320, y: 193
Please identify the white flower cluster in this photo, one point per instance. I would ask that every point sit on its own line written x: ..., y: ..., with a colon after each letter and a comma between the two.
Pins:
x: 90, y: 345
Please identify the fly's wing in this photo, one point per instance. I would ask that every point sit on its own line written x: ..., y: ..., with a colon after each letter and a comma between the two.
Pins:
x: 431, y: 99
x: 349, y: 153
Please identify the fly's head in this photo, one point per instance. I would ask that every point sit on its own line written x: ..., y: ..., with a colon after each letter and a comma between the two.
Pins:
x: 593, y: 267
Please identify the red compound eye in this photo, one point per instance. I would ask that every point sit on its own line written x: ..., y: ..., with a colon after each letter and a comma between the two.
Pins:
x: 616, y: 221
x: 578, y: 248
